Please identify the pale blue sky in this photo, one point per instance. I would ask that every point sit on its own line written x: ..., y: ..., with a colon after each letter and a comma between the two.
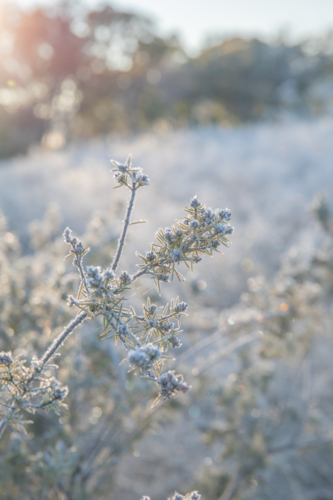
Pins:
x: 194, y: 19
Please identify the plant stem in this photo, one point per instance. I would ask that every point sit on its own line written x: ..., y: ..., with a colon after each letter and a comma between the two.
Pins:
x: 122, y: 238
x: 58, y: 341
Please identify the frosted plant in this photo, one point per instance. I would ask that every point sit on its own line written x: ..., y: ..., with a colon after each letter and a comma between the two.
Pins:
x: 102, y: 293
x: 272, y: 414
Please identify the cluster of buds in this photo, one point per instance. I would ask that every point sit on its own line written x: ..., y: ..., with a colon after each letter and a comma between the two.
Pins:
x: 6, y: 358
x: 144, y: 357
x: 171, y: 383
x: 126, y: 175
x: 202, y: 231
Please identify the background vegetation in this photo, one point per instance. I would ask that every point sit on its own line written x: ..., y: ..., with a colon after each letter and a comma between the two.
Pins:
x: 69, y: 73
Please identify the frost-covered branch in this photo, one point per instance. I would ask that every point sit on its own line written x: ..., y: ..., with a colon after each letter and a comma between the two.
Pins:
x: 102, y: 293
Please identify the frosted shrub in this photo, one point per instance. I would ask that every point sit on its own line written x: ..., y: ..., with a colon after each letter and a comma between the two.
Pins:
x: 271, y: 415
x: 102, y: 294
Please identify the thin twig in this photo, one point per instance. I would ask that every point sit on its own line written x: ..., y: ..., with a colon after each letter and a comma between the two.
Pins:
x: 63, y: 336
x: 122, y: 238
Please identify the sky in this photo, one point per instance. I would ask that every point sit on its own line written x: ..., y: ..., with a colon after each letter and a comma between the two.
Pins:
x: 194, y: 20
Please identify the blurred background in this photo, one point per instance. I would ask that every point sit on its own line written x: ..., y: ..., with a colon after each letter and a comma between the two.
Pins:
x: 232, y: 101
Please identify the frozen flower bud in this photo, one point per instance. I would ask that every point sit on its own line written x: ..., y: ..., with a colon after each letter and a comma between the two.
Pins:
x: 170, y: 384
x: 168, y: 234
x: 166, y: 326
x: 197, y: 259
x: 195, y: 203
x: 6, y: 358
x: 123, y: 330
x: 177, y: 255
x: 108, y: 274
x: 215, y: 243
x: 174, y: 341
x: 195, y: 495
x: 194, y: 224
x: 79, y: 246
x: 229, y: 230
x: 143, y: 357
x: 209, y: 216
x: 225, y: 214
x: 220, y: 229
x: 153, y: 323
x: 178, y: 496
x: 67, y: 235
x: 94, y: 276
x: 119, y: 178
x: 60, y: 393
x: 179, y: 233
x: 142, y: 180
x: 150, y: 256
x: 152, y: 309
x: 163, y: 277
x: 181, y: 307
x: 152, y: 352
x: 125, y: 278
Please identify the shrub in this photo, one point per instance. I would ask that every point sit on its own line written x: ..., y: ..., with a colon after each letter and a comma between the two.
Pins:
x: 67, y: 457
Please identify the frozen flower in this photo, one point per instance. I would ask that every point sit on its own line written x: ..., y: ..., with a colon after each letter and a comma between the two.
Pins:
x: 225, y: 214
x: 174, y: 341
x: 178, y: 496
x: 67, y: 235
x: 94, y: 276
x: 220, y: 229
x: 177, y: 254
x: 194, y: 224
x: 144, y: 357
x: 79, y: 246
x: 179, y: 233
x: 125, y: 278
x: 215, y: 243
x: 120, y: 178
x: 181, y: 307
x: 142, y: 180
x: 152, y: 309
x: 171, y: 383
x: 195, y: 495
x: 209, y: 216
x: 229, y: 230
x: 195, y: 203
x: 123, y: 330
x: 168, y: 234
x: 153, y: 323
x: 60, y: 392
x: 6, y: 358
x: 108, y: 274
x: 150, y: 256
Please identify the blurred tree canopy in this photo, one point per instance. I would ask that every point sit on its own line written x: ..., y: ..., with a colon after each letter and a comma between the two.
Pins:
x: 68, y: 72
